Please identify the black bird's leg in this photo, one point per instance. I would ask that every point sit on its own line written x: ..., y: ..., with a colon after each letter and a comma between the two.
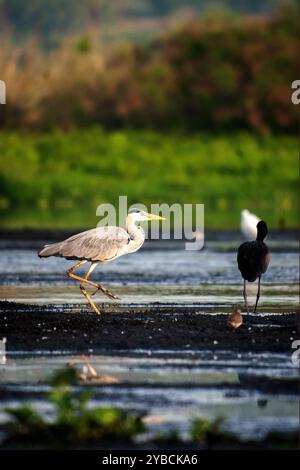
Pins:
x: 258, y: 294
x: 245, y: 296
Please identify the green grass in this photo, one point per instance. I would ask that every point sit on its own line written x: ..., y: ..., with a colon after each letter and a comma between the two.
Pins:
x: 58, y: 179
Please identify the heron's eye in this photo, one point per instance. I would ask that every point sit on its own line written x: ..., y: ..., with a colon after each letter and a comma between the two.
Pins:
x: 134, y: 211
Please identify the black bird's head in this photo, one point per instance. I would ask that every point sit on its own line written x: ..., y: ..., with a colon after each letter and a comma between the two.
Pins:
x: 262, y: 230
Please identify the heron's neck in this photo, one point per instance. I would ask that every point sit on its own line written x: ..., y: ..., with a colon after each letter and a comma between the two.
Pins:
x: 137, y: 235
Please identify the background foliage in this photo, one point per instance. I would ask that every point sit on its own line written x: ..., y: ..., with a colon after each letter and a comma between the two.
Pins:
x: 199, y: 112
x: 220, y: 73
x: 58, y: 179
x: 115, y: 20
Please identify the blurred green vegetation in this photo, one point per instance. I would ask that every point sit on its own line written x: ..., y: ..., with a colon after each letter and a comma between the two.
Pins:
x: 58, y: 179
x: 74, y: 422
x: 210, y: 431
x: 201, y: 114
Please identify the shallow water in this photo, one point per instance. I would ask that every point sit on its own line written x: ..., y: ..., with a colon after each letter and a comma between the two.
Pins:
x: 171, y: 386
x: 176, y: 266
x: 176, y: 276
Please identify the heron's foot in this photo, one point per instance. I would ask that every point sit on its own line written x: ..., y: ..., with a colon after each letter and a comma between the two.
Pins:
x: 105, y: 292
x: 94, y: 307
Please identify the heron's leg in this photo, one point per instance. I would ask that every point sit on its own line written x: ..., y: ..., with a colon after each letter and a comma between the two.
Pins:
x: 83, y: 290
x: 258, y: 294
x: 84, y: 280
x: 99, y: 286
x: 70, y: 273
x: 86, y: 295
x: 245, y: 296
x: 105, y: 291
x: 76, y: 266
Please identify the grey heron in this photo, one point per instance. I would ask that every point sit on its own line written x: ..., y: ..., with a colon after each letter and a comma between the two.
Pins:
x: 100, y: 245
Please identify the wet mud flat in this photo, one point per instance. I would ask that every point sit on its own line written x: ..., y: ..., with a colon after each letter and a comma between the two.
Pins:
x: 171, y: 363
x: 166, y: 349
x: 72, y: 328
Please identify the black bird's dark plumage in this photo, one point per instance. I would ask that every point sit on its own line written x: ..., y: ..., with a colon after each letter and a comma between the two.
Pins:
x: 253, y: 257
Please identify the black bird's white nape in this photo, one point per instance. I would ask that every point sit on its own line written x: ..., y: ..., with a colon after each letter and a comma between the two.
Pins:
x: 253, y: 259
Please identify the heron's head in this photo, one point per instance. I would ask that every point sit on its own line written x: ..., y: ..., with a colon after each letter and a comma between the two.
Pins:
x: 138, y: 215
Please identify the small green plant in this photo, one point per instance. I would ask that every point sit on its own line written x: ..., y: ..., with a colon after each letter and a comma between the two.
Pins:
x: 209, y: 433
x: 205, y: 431
x: 74, y: 423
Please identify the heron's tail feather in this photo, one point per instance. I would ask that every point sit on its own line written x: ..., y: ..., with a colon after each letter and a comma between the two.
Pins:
x: 50, y: 250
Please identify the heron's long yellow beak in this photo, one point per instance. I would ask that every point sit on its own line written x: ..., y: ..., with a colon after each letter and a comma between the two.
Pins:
x: 154, y: 217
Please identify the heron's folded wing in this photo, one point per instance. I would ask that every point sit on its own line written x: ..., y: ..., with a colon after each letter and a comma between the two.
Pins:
x: 99, y: 244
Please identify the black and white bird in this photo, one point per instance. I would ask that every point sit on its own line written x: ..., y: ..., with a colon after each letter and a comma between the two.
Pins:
x: 253, y: 259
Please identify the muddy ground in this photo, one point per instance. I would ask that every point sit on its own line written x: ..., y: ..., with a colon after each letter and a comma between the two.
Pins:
x: 168, y: 342
x: 34, y: 328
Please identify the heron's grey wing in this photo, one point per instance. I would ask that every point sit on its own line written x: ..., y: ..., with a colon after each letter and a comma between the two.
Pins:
x: 99, y: 244
x: 54, y: 249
